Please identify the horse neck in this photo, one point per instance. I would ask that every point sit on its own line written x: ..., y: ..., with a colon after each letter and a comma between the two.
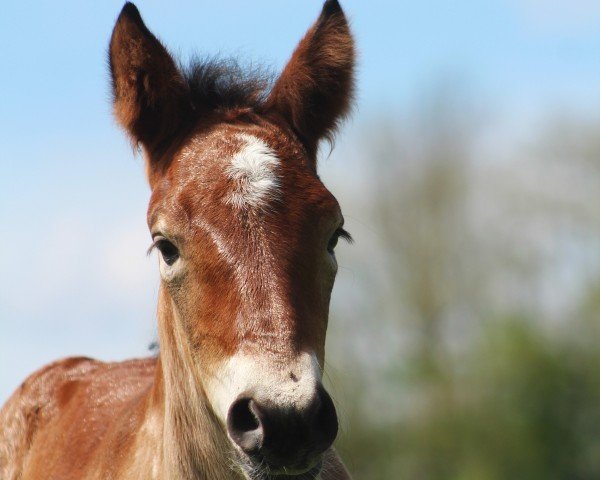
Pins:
x: 194, y: 444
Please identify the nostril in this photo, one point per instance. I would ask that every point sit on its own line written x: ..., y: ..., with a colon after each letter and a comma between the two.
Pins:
x: 241, y: 416
x: 325, y: 422
x: 244, y: 425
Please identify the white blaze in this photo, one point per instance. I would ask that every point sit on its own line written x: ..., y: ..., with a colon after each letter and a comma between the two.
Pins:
x: 252, y: 170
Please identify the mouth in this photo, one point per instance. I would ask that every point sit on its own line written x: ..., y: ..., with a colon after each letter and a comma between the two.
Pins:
x: 311, y: 474
x: 266, y: 473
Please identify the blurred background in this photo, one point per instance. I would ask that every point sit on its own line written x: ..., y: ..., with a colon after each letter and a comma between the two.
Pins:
x: 464, y: 339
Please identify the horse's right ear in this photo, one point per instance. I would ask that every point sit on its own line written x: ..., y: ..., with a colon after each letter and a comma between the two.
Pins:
x: 151, y: 98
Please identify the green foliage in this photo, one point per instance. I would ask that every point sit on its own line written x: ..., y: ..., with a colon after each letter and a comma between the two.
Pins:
x: 523, y: 406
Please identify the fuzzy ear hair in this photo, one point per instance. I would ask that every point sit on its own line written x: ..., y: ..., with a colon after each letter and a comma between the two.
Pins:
x: 315, y: 90
x: 151, y: 98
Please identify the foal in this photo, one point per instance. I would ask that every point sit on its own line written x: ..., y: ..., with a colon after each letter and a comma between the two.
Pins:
x: 246, y: 234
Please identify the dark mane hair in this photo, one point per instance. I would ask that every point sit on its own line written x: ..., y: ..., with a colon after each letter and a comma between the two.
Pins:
x: 222, y: 84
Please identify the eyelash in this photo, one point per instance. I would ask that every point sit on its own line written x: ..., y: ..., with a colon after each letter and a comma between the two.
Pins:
x: 344, y: 234
x: 333, y: 241
x: 153, y: 246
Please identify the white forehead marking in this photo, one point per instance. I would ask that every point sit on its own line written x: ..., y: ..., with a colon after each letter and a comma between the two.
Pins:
x: 252, y: 170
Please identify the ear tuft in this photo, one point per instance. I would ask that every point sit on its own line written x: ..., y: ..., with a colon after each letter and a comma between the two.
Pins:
x: 315, y: 89
x: 330, y: 7
x: 132, y: 12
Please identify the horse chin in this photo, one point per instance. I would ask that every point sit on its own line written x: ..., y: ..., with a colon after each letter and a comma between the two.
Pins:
x: 255, y: 470
x: 310, y: 474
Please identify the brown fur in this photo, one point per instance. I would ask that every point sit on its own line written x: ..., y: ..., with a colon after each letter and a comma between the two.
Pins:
x: 83, y: 419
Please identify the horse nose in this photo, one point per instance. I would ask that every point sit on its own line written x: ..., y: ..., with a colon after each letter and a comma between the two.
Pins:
x: 283, y: 436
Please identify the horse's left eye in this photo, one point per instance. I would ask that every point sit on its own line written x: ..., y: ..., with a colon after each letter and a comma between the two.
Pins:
x: 333, y: 241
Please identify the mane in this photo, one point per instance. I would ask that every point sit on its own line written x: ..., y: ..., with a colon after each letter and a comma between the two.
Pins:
x: 222, y: 84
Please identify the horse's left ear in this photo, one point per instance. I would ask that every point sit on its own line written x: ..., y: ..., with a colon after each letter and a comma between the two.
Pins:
x: 314, y: 92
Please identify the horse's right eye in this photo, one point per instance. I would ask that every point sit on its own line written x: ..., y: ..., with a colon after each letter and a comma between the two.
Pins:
x: 168, y: 251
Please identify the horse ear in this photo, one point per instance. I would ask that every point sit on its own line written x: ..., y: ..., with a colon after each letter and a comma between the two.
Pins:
x: 314, y: 91
x: 150, y: 96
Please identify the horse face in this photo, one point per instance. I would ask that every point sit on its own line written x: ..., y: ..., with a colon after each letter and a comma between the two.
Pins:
x: 245, y: 229
x: 245, y: 232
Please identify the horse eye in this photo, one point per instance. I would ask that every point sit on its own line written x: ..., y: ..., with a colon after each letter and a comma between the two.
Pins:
x: 168, y: 251
x: 333, y: 241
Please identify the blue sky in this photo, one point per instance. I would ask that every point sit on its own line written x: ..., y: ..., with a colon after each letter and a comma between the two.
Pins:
x: 75, y: 278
